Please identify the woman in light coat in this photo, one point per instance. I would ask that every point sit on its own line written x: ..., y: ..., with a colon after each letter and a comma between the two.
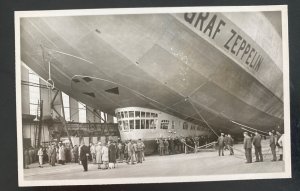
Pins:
x: 98, y: 150
x: 105, y: 155
x: 62, y: 154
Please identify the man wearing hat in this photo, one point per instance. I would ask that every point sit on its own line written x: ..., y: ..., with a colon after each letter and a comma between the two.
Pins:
x: 221, y: 143
x: 248, y: 147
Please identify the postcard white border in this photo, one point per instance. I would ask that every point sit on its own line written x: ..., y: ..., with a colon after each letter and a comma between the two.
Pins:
x: 200, y: 178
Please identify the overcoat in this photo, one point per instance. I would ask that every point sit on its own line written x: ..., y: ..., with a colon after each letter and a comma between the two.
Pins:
x: 247, y: 143
x: 52, y: 156
x: 230, y: 141
x: 98, y: 150
x: 104, y: 154
x: 221, y: 141
x: 272, y: 141
x: 62, y: 153
x: 83, y: 151
x: 257, y: 141
x: 112, y: 151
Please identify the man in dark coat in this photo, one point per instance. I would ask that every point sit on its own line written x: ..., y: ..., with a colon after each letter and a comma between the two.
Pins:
x: 273, y: 145
x: 280, y: 150
x: 75, y: 153
x: 84, y: 153
x: 172, y: 146
x: 112, y: 152
x: 230, y: 144
x: 161, y: 147
x: 166, y: 147
x: 26, y: 158
x: 52, y: 155
x: 176, y: 145
x: 126, y: 150
x: 221, y: 144
x: 248, y: 147
x: 140, y: 146
x: 226, y: 142
x: 257, y: 146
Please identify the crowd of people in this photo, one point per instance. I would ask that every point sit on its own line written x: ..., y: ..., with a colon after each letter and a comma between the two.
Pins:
x: 275, y: 144
x: 103, y: 154
x: 107, y: 154
x: 53, y: 154
x: 30, y: 156
x: 254, y: 140
x: 169, y: 146
x: 225, y: 142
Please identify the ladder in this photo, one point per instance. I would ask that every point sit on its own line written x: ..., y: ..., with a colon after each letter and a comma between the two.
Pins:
x: 39, y: 125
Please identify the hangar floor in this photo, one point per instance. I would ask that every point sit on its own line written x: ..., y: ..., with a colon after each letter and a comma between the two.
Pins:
x: 201, y: 163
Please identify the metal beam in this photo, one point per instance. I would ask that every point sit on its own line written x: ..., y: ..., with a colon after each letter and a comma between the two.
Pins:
x: 40, y: 123
x: 61, y: 117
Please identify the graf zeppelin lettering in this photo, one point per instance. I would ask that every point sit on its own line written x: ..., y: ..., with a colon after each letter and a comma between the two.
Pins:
x: 234, y: 43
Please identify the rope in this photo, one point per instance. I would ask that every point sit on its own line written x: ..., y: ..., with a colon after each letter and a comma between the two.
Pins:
x: 199, y: 146
x: 186, y: 144
x: 208, y: 144
x: 203, y: 119
x: 247, y: 130
x: 248, y: 127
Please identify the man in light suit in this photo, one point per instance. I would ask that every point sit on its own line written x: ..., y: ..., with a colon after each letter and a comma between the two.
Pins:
x: 248, y: 147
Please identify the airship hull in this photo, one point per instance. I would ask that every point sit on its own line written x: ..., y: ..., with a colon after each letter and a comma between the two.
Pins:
x: 158, y: 61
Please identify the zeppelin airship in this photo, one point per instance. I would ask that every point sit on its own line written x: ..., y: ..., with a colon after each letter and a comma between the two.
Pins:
x: 221, y: 71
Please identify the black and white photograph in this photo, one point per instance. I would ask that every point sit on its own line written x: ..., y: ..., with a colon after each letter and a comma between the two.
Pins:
x: 152, y: 95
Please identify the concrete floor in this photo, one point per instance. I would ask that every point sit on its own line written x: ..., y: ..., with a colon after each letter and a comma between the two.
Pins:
x: 201, y: 163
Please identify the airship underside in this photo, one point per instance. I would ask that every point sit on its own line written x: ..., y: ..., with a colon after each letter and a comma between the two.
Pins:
x: 200, y: 67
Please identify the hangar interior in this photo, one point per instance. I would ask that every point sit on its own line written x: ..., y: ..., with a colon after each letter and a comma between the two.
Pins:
x: 51, y: 115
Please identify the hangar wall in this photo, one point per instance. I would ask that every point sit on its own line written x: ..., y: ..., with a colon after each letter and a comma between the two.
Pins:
x: 29, y: 125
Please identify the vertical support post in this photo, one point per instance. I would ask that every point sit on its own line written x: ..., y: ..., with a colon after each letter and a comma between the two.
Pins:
x: 40, y: 123
x: 61, y: 117
x: 64, y: 119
